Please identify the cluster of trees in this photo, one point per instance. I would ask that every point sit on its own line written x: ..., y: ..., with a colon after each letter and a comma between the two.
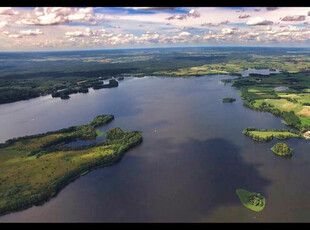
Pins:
x: 83, y: 87
x: 228, y: 99
x: 282, y: 149
x: 99, y: 85
x: 8, y: 95
x: 256, y: 199
x: 115, y: 133
x: 101, y: 120
x: 291, y: 119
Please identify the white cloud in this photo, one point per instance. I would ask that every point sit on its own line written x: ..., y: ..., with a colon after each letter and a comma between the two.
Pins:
x: 23, y: 33
x: 30, y: 32
x: 184, y: 34
x: 258, y: 21
x: 209, y: 24
x: 192, y: 13
x: 43, y: 16
x: 3, y: 24
x: 7, y: 11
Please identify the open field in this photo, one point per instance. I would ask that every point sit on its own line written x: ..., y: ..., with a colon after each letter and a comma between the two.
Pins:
x: 292, y: 104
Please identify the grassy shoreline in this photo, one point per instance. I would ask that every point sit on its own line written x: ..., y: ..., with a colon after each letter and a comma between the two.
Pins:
x: 265, y: 135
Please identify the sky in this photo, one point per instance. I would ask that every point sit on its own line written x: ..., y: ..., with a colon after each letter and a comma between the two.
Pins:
x: 84, y: 28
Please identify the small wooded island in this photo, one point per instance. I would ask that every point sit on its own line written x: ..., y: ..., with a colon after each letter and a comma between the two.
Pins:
x: 282, y: 149
x: 35, y: 168
x: 252, y: 200
x: 229, y: 99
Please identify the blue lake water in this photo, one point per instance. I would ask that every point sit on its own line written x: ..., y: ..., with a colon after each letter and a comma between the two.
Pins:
x: 193, y: 157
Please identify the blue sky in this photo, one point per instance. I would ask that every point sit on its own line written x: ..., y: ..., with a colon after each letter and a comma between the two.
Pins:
x: 63, y: 28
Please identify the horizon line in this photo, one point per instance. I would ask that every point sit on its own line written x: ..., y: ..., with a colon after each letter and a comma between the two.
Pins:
x: 166, y: 47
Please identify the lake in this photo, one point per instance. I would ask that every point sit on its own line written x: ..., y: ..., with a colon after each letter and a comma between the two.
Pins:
x: 247, y: 72
x: 193, y: 157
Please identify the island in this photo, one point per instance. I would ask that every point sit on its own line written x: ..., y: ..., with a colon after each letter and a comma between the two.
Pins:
x: 228, y: 99
x: 252, y: 200
x: 33, y: 169
x: 282, y: 149
x: 265, y: 135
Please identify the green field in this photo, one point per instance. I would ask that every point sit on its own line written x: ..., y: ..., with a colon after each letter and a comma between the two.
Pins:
x: 293, y: 104
x: 34, y: 168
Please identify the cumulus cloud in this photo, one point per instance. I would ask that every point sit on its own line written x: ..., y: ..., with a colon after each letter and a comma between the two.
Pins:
x: 209, y: 24
x: 258, y: 21
x: 30, y: 32
x: 71, y: 31
x: 192, y: 13
x: 3, y: 24
x: 43, y: 16
x: 244, y: 16
x: 184, y: 34
x: 177, y: 16
x: 294, y: 18
x: 8, y: 11
x: 23, y: 33
x: 230, y: 31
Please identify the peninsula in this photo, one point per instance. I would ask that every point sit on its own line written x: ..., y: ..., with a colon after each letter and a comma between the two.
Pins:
x: 35, y: 168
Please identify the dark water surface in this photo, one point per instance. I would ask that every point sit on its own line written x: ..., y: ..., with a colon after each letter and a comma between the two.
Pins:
x: 193, y: 157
